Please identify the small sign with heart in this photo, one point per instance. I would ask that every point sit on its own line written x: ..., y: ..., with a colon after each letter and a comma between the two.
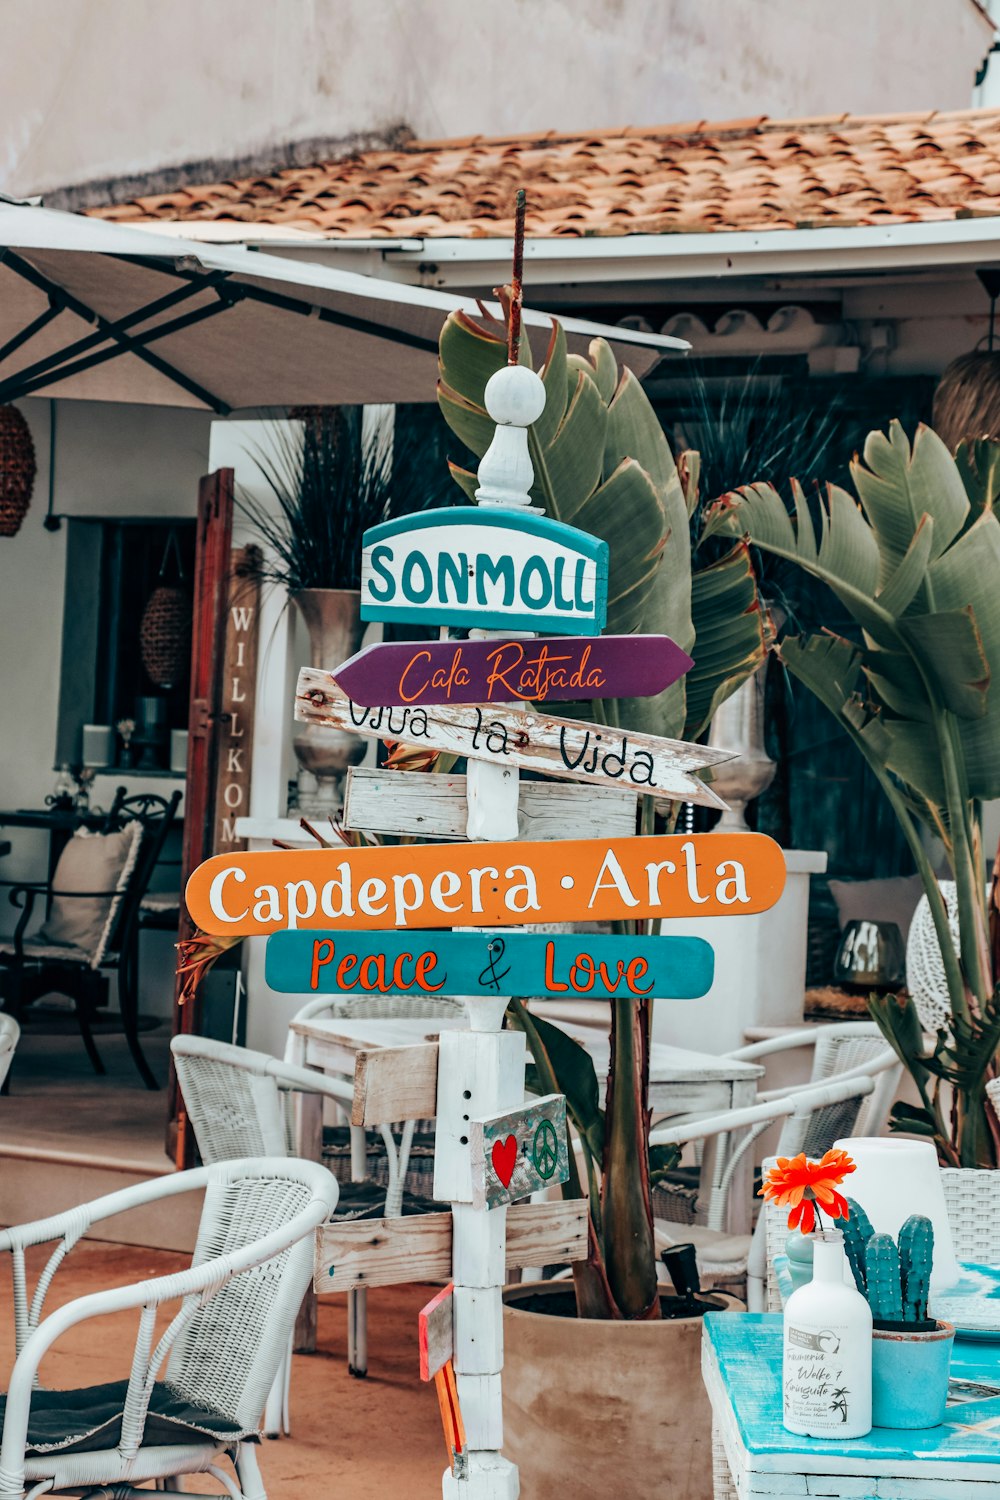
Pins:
x: 518, y: 1153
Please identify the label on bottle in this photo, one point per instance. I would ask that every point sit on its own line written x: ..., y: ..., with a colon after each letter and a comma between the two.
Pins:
x: 820, y: 1380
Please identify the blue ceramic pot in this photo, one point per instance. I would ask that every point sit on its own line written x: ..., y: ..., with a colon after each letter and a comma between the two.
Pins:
x: 910, y: 1376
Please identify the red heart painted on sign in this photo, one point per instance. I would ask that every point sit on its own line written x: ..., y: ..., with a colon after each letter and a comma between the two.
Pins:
x: 504, y: 1158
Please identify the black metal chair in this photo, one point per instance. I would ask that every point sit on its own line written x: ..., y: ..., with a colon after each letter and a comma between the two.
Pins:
x: 30, y: 968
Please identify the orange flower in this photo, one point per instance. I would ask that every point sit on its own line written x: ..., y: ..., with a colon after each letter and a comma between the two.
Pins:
x: 800, y: 1184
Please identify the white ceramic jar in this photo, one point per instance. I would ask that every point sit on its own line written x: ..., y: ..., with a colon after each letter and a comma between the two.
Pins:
x: 827, y: 1360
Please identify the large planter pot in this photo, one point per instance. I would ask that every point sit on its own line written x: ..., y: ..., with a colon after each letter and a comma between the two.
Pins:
x: 593, y: 1409
x: 333, y: 619
x: 910, y: 1376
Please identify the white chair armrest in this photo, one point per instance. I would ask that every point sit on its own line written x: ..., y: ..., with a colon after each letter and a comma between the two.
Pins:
x: 804, y: 1037
x: 833, y: 1091
x: 870, y: 1069
x: 41, y: 1231
x: 308, y: 1081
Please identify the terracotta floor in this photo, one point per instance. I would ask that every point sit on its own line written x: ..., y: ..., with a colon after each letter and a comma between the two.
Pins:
x: 352, y: 1439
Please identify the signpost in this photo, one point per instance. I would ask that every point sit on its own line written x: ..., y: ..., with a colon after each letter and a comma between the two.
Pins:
x: 519, y: 1152
x: 502, y: 885
x: 509, y: 738
x: 502, y: 671
x: 488, y: 963
x: 376, y: 920
x: 487, y: 567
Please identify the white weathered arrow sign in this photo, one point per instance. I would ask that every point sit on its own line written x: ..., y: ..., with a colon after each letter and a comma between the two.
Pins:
x: 562, y: 748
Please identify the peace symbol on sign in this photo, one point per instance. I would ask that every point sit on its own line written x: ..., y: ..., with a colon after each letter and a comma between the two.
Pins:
x: 545, y: 1149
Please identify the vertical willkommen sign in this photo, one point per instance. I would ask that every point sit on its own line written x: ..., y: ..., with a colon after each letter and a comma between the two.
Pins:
x: 239, y: 689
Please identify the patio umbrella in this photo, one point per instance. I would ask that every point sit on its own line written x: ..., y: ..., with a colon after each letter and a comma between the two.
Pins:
x: 101, y: 312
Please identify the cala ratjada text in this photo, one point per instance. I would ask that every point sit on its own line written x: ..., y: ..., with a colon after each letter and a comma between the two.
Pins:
x: 515, y: 669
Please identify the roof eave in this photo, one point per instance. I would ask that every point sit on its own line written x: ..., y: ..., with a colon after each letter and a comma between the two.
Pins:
x: 722, y: 254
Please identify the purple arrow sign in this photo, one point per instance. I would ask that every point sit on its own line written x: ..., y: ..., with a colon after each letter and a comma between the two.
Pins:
x: 498, y: 671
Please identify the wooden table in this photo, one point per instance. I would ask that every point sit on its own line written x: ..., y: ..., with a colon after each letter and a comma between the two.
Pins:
x: 741, y: 1365
x: 681, y: 1081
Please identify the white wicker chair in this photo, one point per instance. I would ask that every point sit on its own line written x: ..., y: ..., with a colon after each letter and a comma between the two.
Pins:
x: 237, y: 1101
x: 828, y: 1109
x: 850, y: 1049
x: 844, y: 1049
x: 10, y: 1033
x: 238, y: 1300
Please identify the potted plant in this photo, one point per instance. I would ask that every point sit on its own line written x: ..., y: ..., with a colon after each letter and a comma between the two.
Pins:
x: 602, y: 462
x: 330, y: 480
x: 917, y: 565
x: 911, y: 1351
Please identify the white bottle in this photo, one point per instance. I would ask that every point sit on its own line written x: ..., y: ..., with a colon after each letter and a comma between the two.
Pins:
x: 827, y: 1364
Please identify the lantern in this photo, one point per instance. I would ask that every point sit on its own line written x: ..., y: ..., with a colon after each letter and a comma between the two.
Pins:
x: 17, y: 469
x: 165, y: 631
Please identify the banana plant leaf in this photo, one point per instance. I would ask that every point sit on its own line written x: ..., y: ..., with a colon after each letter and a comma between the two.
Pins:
x: 925, y: 591
x: 602, y: 463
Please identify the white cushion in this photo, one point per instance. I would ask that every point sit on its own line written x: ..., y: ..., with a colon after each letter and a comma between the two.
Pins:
x: 90, y: 862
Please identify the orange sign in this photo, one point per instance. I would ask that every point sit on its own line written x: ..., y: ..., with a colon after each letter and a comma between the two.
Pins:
x: 487, y: 885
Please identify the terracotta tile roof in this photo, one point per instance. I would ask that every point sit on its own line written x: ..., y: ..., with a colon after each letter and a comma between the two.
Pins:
x: 699, y: 176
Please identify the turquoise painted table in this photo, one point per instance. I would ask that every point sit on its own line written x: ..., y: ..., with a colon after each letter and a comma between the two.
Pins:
x: 757, y: 1458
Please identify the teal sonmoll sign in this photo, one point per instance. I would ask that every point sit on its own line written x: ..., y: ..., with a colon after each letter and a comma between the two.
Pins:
x: 485, y: 567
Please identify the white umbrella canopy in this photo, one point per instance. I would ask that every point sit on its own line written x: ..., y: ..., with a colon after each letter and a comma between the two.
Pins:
x: 101, y: 312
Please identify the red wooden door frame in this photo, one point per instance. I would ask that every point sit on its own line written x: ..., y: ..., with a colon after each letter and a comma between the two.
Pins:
x: 213, y: 546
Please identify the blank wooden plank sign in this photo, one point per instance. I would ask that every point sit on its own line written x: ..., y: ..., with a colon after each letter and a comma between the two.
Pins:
x: 436, y: 1333
x: 434, y: 806
x: 489, y: 567
x: 357, y: 1253
x: 534, y: 671
x: 511, y: 739
x: 395, y: 1083
x: 519, y: 1152
x: 493, y: 885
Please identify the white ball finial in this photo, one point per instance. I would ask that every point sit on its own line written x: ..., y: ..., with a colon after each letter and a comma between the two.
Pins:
x: 515, y: 396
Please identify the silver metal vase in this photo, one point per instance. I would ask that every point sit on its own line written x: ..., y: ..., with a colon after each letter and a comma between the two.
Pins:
x: 739, y: 726
x: 333, y: 620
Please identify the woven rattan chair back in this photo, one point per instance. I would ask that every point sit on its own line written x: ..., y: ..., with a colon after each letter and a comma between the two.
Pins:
x: 972, y: 1198
x: 839, y: 1049
x: 229, y: 1351
x: 235, y: 1108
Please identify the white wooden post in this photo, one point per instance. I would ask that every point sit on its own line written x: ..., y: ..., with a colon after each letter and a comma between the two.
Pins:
x: 481, y: 1071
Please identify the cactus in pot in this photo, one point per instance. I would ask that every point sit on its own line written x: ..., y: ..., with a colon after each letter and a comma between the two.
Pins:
x: 911, y: 1351
x: 894, y: 1278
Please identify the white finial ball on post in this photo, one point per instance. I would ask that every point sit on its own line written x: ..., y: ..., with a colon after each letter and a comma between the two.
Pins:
x: 515, y: 397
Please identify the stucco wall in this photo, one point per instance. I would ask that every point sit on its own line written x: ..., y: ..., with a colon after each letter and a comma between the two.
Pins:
x: 101, y: 89
x: 101, y: 469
